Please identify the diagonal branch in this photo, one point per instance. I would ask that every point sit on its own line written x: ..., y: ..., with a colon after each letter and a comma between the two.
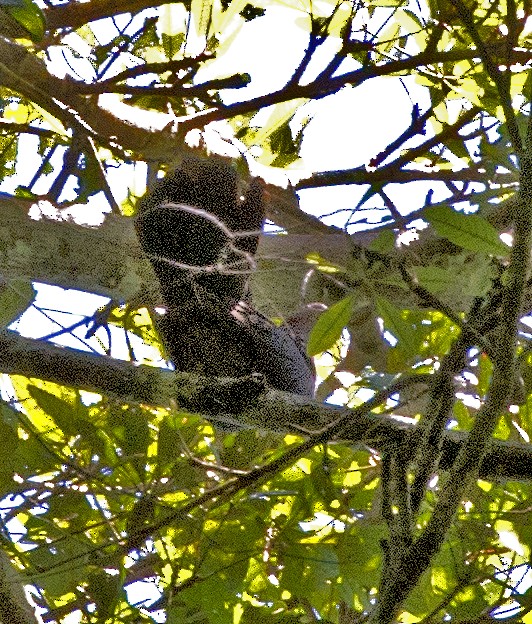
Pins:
x: 272, y: 410
x: 76, y: 14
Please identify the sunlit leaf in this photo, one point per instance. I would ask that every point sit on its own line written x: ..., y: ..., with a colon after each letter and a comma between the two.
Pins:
x: 29, y: 15
x: 60, y: 410
x: 328, y: 328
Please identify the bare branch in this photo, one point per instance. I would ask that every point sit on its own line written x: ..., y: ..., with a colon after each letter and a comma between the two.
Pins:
x: 74, y: 15
x: 270, y: 410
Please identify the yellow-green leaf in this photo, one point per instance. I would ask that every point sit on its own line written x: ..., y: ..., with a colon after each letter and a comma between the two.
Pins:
x: 328, y: 328
x: 29, y: 15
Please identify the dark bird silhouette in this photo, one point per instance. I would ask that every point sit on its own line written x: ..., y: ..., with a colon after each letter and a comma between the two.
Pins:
x: 201, y: 235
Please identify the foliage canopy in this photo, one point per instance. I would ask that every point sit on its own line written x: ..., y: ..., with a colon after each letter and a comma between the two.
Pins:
x: 410, y: 505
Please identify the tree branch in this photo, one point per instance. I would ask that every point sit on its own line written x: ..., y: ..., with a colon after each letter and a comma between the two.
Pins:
x: 360, y: 175
x: 271, y: 410
x: 76, y: 14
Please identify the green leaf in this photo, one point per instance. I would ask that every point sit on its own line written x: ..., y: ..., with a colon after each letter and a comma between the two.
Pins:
x: 359, y: 558
x: 142, y: 513
x: 15, y: 297
x: 384, y: 243
x: 464, y: 276
x: 308, y: 567
x: 284, y: 146
x: 59, y: 580
x: 467, y: 231
x: 9, y: 442
x: 435, y: 279
x: 395, y: 324
x: 329, y: 326
x: 176, y: 614
x: 223, y: 579
x: 172, y: 44
x: 72, y: 508
x: 168, y: 442
x: 106, y: 591
x: 59, y: 410
x: 33, y: 457
x: 29, y: 15
x: 484, y: 373
x: 136, y: 439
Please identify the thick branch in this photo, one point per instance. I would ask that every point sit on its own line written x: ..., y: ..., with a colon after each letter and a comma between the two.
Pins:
x: 271, y: 410
x: 72, y: 256
x: 76, y: 14
x: 108, y: 260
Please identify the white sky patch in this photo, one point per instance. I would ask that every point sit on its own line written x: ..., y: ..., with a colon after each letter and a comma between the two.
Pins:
x: 468, y: 400
x: 321, y: 522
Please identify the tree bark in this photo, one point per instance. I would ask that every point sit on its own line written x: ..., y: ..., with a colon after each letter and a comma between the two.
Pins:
x: 267, y: 409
